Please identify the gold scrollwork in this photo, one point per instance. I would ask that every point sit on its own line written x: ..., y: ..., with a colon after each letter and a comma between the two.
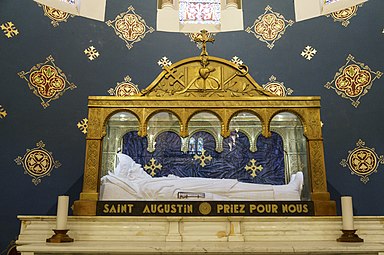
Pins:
x: 130, y: 27
x: 353, y: 80
x: 269, y: 27
x: 47, y: 81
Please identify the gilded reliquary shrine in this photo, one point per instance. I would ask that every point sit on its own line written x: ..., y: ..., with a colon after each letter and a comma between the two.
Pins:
x: 206, y: 119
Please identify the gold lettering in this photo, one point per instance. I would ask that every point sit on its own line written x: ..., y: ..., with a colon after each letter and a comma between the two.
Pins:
x: 285, y: 208
x: 242, y: 208
x: 252, y: 207
x: 173, y: 210
x: 167, y: 208
x: 153, y: 208
x: 219, y: 208
x: 260, y: 208
x: 305, y: 208
x: 106, y: 208
x: 112, y: 209
x: 190, y: 208
x: 292, y: 208
x: 160, y: 208
x: 146, y: 209
x: 274, y: 208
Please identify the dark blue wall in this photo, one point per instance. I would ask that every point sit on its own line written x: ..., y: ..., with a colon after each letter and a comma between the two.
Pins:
x: 27, y: 122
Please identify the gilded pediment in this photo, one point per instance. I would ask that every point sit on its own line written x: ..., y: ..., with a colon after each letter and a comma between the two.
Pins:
x: 204, y: 77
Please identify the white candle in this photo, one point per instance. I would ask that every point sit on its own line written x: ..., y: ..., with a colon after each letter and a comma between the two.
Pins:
x: 62, y: 212
x: 347, y: 212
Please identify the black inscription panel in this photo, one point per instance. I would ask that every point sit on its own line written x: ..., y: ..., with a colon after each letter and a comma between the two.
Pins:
x: 205, y: 208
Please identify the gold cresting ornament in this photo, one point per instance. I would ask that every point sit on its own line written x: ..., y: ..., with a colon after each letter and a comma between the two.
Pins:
x: 37, y: 162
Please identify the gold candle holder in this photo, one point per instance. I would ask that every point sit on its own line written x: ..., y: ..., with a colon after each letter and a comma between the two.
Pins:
x: 349, y: 236
x: 60, y: 236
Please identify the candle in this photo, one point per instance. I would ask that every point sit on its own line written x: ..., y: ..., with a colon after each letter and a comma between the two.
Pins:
x: 62, y: 212
x: 347, y: 213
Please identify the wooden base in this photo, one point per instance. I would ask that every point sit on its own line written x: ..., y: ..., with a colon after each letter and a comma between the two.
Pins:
x: 60, y: 236
x: 349, y: 236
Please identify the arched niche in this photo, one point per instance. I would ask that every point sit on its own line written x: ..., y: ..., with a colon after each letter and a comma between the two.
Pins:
x: 205, y: 122
x: 291, y: 129
x: 116, y: 126
x: 158, y: 123
x: 247, y: 123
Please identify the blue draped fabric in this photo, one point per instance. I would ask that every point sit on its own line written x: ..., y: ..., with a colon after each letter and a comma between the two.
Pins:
x: 231, y: 163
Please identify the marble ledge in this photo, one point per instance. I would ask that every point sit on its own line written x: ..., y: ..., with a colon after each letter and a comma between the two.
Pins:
x: 143, y: 248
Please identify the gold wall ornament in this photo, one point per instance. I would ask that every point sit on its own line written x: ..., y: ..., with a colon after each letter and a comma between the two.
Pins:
x: 37, y: 162
x: 56, y: 16
x: 9, y: 29
x: 362, y: 161
x: 47, y: 81
x: 151, y: 167
x: 3, y: 112
x: 130, y: 27
x: 83, y: 125
x: 353, y: 80
x: 309, y: 52
x: 343, y: 16
x: 124, y: 88
x: 91, y: 53
x: 253, y: 167
x: 269, y: 27
x: 277, y: 88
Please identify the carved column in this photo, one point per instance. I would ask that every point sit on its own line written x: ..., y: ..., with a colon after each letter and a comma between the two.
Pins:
x: 319, y: 193
x: 89, y: 195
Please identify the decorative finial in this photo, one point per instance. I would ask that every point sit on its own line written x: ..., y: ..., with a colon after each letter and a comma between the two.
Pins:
x: 203, y: 37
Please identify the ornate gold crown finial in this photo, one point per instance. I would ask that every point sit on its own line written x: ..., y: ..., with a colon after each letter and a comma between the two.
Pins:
x: 203, y: 37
